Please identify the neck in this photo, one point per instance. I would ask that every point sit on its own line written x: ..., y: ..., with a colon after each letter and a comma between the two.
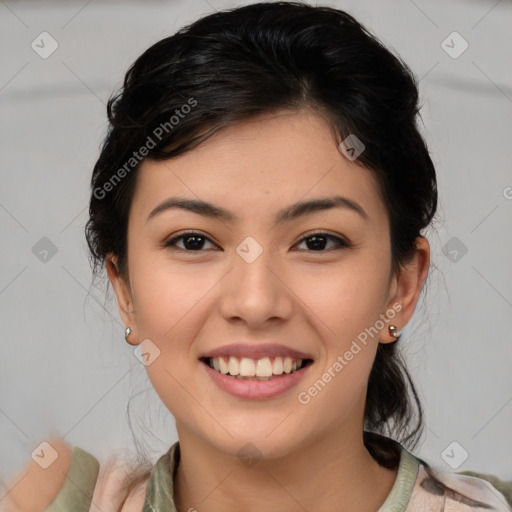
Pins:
x: 332, y: 473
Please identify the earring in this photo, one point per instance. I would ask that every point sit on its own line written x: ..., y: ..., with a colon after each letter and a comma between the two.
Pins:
x: 127, y: 333
x: 393, y: 330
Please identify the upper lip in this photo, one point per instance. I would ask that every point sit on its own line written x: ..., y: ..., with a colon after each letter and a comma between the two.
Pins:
x: 256, y: 351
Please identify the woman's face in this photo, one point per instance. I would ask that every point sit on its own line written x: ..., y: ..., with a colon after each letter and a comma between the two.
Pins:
x: 258, y: 277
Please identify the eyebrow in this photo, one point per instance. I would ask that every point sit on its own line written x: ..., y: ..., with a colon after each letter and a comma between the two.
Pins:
x: 287, y: 214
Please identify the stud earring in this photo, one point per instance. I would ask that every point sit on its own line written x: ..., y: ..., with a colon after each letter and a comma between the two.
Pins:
x: 127, y: 333
x: 393, y: 330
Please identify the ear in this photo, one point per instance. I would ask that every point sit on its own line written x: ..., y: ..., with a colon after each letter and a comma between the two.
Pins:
x: 123, y: 294
x: 405, y: 288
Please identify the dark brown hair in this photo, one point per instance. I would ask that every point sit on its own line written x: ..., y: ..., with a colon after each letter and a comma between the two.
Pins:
x: 262, y: 58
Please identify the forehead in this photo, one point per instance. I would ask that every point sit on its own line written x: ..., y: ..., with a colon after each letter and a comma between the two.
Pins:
x: 256, y: 166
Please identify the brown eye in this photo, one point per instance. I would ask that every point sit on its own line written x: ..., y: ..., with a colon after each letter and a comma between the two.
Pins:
x: 192, y: 241
x: 317, y: 241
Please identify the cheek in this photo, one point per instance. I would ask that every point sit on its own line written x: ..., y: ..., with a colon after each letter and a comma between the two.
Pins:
x: 346, y: 299
x: 346, y: 304
x: 167, y: 294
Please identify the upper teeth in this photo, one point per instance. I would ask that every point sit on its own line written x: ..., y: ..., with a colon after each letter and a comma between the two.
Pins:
x: 247, y: 367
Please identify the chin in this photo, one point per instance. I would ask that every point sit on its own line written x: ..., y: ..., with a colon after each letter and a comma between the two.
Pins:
x: 254, y: 444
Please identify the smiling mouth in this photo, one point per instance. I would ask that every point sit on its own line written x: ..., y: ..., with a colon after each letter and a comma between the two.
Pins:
x: 266, y: 368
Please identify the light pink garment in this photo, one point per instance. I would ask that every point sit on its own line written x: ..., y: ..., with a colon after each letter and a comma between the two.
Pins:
x: 413, y: 491
x: 107, y: 498
x: 427, y: 496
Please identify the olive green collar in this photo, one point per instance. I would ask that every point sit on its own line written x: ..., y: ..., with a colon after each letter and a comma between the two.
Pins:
x: 160, y: 489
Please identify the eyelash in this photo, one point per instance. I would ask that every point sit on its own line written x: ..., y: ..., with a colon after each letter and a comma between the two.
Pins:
x: 340, y: 243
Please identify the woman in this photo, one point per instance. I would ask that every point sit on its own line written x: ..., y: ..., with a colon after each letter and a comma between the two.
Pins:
x: 258, y: 205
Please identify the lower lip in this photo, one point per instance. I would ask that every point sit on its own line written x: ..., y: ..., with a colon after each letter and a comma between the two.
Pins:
x: 256, y: 389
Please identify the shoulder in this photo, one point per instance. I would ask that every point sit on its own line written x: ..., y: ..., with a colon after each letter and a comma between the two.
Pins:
x: 77, y: 478
x: 456, y: 492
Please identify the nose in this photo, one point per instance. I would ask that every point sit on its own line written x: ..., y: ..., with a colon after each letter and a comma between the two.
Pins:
x: 257, y: 291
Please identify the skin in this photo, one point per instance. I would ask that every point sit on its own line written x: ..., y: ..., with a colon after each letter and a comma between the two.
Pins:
x: 314, y: 300
x: 34, y: 487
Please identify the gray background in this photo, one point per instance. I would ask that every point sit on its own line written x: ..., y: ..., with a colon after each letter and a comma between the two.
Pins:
x: 65, y: 368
